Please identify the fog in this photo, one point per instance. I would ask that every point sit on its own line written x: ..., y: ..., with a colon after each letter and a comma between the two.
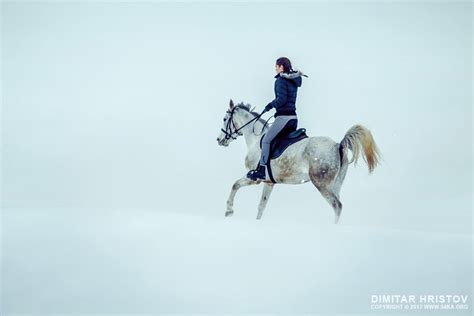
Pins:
x: 114, y: 189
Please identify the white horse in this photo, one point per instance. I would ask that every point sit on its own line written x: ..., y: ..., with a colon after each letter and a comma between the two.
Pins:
x: 317, y: 159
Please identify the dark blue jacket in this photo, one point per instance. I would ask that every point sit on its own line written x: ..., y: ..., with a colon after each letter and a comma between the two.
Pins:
x: 286, y: 88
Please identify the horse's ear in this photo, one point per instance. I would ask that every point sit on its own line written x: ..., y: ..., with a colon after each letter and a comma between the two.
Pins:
x: 231, y: 104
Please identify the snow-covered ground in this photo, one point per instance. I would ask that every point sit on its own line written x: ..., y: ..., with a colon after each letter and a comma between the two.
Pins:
x: 142, y: 261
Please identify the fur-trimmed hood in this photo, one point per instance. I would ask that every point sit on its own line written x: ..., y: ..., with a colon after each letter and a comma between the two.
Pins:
x: 294, y: 76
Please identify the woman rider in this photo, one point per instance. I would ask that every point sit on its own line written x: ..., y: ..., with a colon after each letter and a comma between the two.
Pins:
x: 286, y: 86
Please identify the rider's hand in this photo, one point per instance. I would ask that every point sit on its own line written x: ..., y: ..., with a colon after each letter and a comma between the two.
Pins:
x: 268, y: 107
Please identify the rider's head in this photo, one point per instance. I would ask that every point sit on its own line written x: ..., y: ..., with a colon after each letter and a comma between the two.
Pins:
x: 283, y: 64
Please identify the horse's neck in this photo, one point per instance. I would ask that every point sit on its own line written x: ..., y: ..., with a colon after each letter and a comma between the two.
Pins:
x: 253, y: 131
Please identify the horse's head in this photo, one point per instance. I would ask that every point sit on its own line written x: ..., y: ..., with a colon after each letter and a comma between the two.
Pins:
x: 230, y: 129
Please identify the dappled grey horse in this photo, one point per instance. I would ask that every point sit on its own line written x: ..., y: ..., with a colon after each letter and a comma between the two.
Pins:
x: 317, y: 159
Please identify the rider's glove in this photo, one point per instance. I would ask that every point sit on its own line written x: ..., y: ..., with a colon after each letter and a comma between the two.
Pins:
x: 268, y: 107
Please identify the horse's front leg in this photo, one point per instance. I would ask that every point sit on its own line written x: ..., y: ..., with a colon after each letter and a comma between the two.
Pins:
x: 267, y: 190
x: 242, y: 182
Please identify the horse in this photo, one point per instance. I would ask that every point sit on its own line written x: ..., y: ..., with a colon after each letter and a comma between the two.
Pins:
x: 318, y: 159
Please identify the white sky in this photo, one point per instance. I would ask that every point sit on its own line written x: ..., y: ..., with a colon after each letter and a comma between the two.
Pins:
x: 118, y: 105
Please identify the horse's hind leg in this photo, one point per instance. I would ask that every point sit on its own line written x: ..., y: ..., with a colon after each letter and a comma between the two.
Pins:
x: 322, y: 177
x: 267, y: 190
x: 341, y: 175
x: 235, y: 187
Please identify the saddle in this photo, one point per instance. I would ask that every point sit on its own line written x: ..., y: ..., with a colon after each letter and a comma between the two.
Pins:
x: 280, y: 144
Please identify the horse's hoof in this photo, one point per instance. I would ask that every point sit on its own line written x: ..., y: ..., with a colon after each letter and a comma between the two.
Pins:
x: 229, y: 213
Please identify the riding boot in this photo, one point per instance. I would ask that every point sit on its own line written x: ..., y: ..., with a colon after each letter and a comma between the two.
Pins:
x: 257, y: 174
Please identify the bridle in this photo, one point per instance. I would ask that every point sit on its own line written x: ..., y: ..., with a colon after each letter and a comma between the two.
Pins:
x: 230, y: 123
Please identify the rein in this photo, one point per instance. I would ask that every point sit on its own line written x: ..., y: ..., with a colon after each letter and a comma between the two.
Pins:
x: 228, y: 130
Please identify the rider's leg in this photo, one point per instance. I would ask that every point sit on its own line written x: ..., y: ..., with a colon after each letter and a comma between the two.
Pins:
x: 279, y: 125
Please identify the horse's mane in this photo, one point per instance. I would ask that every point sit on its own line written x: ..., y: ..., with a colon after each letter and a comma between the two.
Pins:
x: 246, y: 107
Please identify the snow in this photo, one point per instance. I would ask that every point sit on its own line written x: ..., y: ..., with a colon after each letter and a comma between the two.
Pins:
x: 149, y: 261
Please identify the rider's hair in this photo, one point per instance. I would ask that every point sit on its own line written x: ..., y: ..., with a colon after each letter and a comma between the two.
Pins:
x: 286, y: 63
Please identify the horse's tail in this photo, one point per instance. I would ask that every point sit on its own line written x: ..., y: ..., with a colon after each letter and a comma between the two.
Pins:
x: 359, y: 138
